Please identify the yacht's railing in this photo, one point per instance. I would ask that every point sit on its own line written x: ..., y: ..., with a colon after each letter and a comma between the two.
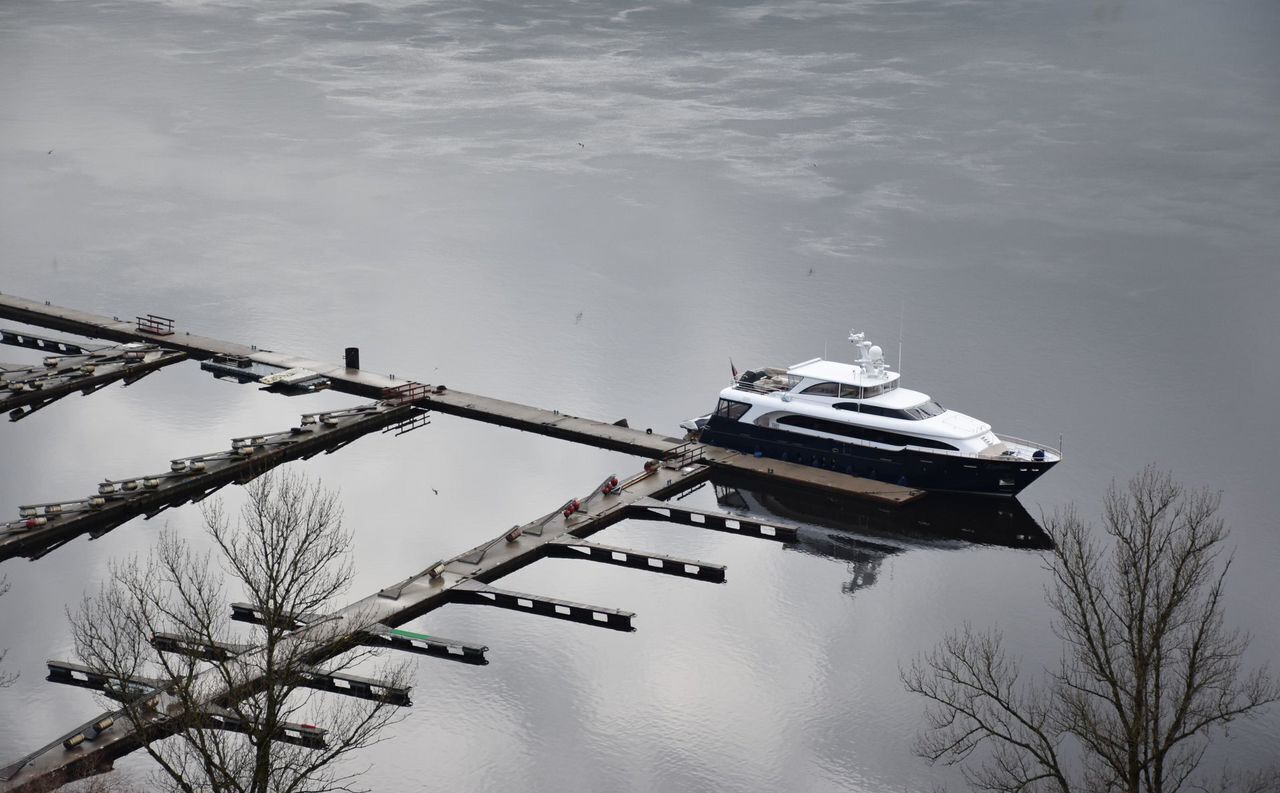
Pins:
x: 1032, y: 444
x: 755, y: 389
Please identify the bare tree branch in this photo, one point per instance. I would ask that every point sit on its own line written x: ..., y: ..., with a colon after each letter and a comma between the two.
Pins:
x: 289, y: 553
x: 6, y: 678
x: 1149, y: 674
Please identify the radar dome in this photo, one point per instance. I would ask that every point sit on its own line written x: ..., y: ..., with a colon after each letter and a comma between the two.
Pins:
x: 875, y: 352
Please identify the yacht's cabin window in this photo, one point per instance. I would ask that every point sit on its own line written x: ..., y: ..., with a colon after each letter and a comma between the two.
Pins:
x: 922, y: 411
x: 862, y: 433
x: 728, y: 409
x: 847, y: 391
x: 823, y: 389
x: 866, y: 391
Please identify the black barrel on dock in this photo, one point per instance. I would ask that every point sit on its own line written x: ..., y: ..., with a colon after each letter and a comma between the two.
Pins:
x: 353, y: 357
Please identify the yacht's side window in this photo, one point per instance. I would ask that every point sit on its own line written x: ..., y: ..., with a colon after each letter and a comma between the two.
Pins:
x: 823, y: 389
x: 850, y: 392
x: 731, y: 410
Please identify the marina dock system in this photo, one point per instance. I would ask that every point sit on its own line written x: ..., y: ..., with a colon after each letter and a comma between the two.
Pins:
x: 675, y: 467
x: 93, y: 747
x: 225, y: 359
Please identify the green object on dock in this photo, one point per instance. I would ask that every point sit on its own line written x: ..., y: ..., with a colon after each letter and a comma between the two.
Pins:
x: 411, y: 635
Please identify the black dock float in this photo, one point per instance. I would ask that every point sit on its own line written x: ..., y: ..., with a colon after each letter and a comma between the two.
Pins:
x: 17, y: 338
x: 204, y: 649
x: 73, y: 674
x: 569, y: 547
x: 128, y: 690
x: 482, y: 594
x: 255, y: 615
x: 356, y: 686
x: 425, y: 644
x: 379, y: 635
x: 652, y: 509
x: 297, y: 734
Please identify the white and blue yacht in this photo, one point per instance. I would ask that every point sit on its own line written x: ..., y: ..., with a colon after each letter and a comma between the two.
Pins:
x: 856, y: 418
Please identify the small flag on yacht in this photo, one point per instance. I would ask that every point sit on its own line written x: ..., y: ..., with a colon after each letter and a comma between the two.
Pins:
x: 733, y: 369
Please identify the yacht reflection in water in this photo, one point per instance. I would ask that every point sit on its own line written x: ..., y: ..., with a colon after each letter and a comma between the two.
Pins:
x: 863, y: 533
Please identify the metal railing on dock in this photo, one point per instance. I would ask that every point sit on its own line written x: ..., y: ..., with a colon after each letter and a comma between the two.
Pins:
x: 156, y: 325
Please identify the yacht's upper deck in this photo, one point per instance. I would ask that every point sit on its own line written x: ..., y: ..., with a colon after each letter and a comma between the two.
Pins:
x: 842, y: 373
x: 869, y: 376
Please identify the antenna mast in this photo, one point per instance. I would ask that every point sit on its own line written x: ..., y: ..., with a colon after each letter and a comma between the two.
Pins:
x: 901, y: 312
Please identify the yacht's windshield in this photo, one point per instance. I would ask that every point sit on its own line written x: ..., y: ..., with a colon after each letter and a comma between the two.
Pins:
x: 845, y: 391
x: 915, y: 413
x: 926, y: 409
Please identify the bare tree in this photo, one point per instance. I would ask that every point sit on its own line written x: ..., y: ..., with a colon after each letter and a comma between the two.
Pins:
x: 6, y: 678
x: 290, y: 554
x: 1149, y: 673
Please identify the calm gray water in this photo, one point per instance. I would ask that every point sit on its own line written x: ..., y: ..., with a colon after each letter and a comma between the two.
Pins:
x: 1069, y: 207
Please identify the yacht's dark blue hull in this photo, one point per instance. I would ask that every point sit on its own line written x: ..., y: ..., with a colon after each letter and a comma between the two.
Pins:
x: 910, y: 467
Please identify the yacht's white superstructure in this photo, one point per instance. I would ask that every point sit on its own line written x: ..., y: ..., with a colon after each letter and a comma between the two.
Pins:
x: 858, y: 419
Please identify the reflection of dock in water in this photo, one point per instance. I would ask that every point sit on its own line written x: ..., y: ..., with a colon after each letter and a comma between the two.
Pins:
x: 864, y: 534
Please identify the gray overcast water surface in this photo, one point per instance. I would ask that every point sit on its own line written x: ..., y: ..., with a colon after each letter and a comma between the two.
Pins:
x: 1069, y: 207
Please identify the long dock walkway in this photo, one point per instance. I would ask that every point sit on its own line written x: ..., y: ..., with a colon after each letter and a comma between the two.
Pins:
x: 164, y: 332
